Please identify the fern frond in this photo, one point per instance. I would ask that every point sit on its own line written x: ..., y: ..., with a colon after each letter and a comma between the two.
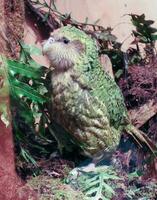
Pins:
x: 97, y: 185
x: 16, y: 67
x: 21, y: 89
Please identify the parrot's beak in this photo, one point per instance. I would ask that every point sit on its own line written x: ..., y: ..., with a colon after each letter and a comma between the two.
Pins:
x: 46, y: 44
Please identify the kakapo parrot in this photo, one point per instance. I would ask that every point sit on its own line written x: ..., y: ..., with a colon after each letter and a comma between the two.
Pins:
x: 86, y: 101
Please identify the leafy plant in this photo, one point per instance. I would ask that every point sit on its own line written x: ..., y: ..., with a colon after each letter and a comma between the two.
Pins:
x: 144, y: 32
x: 29, y: 97
x: 35, y: 133
x: 98, y: 184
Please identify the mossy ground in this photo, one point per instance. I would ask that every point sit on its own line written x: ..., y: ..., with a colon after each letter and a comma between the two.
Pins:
x: 49, y: 188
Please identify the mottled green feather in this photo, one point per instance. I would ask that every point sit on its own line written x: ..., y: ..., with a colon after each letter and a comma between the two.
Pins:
x: 101, y: 84
x: 86, y: 101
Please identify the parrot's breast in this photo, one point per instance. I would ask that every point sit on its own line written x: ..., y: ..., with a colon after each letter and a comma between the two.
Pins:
x: 83, y: 116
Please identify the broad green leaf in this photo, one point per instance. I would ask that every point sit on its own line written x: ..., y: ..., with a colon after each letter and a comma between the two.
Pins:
x: 31, y: 49
x: 112, y: 177
x: 154, y: 37
x: 149, y: 22
x: 23, y: 108
x: 144, y: 30
x: 22, y: 89
x: 90, y: 185
x: 26, y: 70
x: 91, y: 191
x: 109, y: 189
x: 34, y: 64
x: 94, y: 184
x: 152, y: 30
x: 27, y: 156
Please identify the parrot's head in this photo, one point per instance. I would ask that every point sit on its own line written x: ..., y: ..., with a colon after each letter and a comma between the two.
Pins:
x: 68, y: 46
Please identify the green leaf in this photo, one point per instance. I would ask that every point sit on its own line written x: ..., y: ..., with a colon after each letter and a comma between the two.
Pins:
x: 22, y: 89
x: 34, y: 64
x: 143, y: 40
x: 149, y: 22
x: 154, y: 37
x: 91, y: 191
x: 26, y: 70
x: 95, y: 184
x: 110, y: 176
x: 27, y: 156
x: 151, y: 30
x: 144, y: 30
x: 23, y: 108
x: 31, y: 49
x: 109, y: 189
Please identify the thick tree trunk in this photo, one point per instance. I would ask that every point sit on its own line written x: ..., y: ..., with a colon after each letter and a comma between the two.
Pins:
x: 11, y: 29
x: 9, y: 182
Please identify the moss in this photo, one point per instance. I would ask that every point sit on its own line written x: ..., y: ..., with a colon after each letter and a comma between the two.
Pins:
x: 50, y: 188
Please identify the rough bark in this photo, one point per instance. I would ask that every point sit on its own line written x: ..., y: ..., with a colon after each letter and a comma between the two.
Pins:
x: 11, y: 30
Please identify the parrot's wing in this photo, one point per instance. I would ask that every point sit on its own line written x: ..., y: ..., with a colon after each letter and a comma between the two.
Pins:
x: 92, y: 119
x: 103, y: 87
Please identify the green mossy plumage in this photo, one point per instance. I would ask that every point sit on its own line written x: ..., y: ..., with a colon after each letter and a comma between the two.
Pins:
x: 86, y: 101
x: 101, y: 84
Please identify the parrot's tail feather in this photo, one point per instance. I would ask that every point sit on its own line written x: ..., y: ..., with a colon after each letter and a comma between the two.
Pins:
x: 141, y: 138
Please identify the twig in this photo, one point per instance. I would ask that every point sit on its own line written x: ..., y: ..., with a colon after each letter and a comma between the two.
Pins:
x: 41, y: 16
x: 65, y: 19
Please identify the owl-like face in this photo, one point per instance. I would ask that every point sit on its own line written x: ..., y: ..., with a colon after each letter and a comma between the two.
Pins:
x: 62, y: 50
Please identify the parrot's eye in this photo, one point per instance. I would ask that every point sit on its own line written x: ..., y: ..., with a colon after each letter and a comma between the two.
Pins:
x: 65, y: 40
